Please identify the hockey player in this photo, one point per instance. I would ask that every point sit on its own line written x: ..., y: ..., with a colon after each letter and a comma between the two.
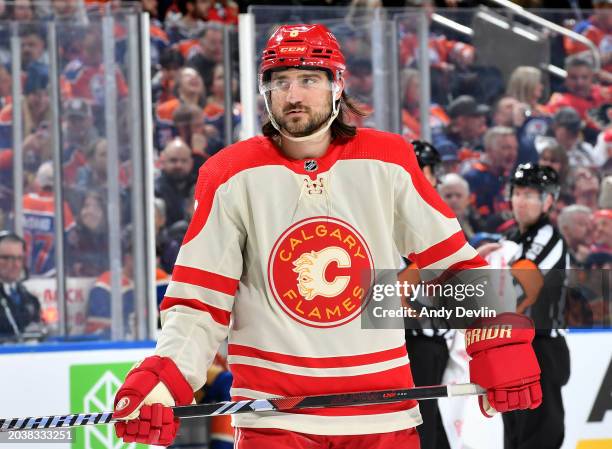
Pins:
x: 286, y: 224
x: 544, y: 253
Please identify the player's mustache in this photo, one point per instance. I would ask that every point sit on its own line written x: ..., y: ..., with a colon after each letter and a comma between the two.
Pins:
x: 295, y: 108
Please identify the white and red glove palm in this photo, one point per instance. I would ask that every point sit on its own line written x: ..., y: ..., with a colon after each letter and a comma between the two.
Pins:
x: 144, y: 401
x: 504, y: 363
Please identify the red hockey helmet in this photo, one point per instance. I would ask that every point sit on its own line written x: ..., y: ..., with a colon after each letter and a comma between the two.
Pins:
x: 303, y: 46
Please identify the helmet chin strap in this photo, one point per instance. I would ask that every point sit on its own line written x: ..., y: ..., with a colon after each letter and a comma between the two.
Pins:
x: 323, y: 129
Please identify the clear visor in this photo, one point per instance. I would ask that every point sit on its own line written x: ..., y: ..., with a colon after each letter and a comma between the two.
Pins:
x: 304, y: 82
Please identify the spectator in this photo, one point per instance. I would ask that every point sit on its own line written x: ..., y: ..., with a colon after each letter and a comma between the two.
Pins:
x: 157, y: 36
x: 162, y: 241
x: 19, y: 309
x: 582, y: 94
x: 585, y: 187
x: 223, y: 11
x: 411, y: 108
x: 525, y: 84
x: 503, y: 111
x: 552, y: 155
x: 487, y: 177
x: 190, y: 22
x: 190, y: 90
x: 529, y: 117
x: 37, y: 147
x: 176, y: 179
x: 88, y: 244
x: 162, y: 85
x: 462, y: 137
x: 35, y: 106
x: 203, y: 139
x: 205, y: 52
x: 151, y: 7
x: 450, y: 60
x: 567, y: 127
x: 159, y: 217
x: 176, y: 233
x: 597, y: 28
x: 68, y: 9
x: 214, y: 111
x: 602, y: 236
x: 353, y: 37
x: 85, y: 76
x: 92, y: 176
x: 575, y: 225
x: 455, y: 192
x: 39, y: 223
x: 596, y: 268
x: 359, y: 81
x: 99, y: 316
x: 22, y: 11
x: 32, y: 47
x: 79, y: 133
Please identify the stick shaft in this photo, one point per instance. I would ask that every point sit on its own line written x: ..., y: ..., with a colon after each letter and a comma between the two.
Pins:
x: 254, y: 406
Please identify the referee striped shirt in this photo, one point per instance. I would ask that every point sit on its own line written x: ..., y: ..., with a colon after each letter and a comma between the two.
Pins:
x: 543, y: 245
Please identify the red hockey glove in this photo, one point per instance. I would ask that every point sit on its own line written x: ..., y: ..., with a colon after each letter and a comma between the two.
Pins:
x: 503, y: 362
x: 143, y: 402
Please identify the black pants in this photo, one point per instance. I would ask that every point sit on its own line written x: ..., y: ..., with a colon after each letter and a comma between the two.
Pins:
x: 428, y: 360
x: 543, y: 427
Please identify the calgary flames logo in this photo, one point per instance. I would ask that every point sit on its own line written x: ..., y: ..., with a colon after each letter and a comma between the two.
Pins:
x: 311, y: 268
x: 320, y: 271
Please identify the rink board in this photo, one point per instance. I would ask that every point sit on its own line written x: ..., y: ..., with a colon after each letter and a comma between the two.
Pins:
x: 54, y: 379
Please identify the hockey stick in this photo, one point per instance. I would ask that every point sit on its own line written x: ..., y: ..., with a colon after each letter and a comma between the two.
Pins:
x: 255, y: 405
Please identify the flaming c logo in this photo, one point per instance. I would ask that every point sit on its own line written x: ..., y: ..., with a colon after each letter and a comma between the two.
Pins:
x: 320, y: 271
x: 311, y: 268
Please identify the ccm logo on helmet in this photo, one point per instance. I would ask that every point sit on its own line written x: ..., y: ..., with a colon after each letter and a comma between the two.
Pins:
x: 488, y: 333
x: 292, y: 49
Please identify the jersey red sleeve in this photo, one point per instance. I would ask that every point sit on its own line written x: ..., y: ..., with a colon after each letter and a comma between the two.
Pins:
x: 197, y: 307
x: 425, y: 228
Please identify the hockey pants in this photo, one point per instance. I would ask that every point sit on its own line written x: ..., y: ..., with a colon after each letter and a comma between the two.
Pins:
x: 246, y: 438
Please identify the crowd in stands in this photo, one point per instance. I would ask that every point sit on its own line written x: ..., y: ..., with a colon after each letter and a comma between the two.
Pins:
x: 483, y: 130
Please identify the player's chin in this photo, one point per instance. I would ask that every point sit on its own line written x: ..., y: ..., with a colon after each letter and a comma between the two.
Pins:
x: 295, y: 126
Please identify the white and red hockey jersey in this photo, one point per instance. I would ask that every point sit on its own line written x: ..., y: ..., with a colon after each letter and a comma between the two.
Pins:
x: 278, y: 258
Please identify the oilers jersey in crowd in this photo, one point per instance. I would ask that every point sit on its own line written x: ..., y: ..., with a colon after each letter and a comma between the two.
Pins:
x: 39, y: 231
x: 488, y: 194
x: 99, y: 304
x: 88, y: 82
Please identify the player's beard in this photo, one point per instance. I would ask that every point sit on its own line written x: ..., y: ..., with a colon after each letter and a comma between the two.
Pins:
x: 300, y: 127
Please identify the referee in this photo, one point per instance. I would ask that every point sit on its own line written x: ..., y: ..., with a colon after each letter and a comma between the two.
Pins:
x: 543, y: 252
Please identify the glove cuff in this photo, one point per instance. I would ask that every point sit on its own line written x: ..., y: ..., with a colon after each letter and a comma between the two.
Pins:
x: 505, y: 329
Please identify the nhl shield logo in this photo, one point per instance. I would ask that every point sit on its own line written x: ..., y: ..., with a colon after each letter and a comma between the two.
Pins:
x: 311, y: 165
x: 320, y: 272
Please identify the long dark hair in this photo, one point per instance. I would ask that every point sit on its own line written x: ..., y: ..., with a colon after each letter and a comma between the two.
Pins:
x: 338, y: 128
